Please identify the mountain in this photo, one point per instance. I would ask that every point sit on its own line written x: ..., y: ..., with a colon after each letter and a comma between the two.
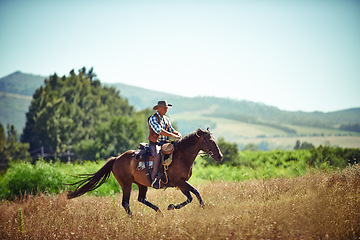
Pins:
x: 247, y: 122
x: 16, y: 92
x: 244, y: 111
x: 242, y: 122
x: 21, y: 83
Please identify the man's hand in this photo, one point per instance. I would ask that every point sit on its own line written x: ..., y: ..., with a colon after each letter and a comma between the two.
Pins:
x: 177, y: 135
x: 174, y: 134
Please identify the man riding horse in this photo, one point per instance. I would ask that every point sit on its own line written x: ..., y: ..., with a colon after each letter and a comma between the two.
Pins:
x: 125, y: 169
x: 160, y: 130
x: 125, y: 166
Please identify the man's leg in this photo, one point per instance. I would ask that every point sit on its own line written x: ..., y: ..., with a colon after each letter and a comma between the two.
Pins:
x: 156, y: 160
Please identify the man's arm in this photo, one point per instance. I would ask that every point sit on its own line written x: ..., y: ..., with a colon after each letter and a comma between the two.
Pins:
x: 174, y: 134
x: 177, y: 133
x: 172, y: 130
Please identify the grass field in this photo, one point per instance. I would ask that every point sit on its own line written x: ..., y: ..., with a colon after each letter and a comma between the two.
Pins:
x: 315, y: 206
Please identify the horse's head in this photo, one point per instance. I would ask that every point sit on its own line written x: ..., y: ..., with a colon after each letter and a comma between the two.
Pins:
x: 209, y: 144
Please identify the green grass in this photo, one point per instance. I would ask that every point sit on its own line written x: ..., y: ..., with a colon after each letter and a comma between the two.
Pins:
x: 24, y: 178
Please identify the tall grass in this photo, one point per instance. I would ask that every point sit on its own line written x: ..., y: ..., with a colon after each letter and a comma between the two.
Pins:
x: 317, y: 205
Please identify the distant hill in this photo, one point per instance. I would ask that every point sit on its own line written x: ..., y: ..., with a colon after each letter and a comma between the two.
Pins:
x: 239, y: 121
x: 16, y: 92
x: 244, y: 111
x: 21, y: 83
x: 246, y: 122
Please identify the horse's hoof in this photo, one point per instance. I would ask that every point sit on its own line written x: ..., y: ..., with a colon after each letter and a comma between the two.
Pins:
x: 160, y: 213
x: 171, y: 207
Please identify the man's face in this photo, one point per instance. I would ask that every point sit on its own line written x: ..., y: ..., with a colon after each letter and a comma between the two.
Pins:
x: 162, y: 110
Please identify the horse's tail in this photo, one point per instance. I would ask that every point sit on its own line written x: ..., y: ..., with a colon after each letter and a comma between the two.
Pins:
x: 90, y: 182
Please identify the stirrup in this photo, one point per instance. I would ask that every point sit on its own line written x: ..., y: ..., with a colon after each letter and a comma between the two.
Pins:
x: 155, y: 184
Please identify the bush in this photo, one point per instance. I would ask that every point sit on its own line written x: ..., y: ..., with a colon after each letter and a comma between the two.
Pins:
x: 230, y: 154
x: 23, y: 177
x: 335, y: 157
x: 43, y: 177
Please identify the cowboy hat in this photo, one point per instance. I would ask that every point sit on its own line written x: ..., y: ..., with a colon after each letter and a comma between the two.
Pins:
x: 162, y: 104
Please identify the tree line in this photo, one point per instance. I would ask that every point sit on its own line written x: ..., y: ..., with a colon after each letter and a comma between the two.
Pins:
x: 76, y: 114
x: 350, y: 127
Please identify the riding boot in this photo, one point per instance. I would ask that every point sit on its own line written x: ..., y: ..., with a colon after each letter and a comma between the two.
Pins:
x: 156, y: 162
x: 156, y: 183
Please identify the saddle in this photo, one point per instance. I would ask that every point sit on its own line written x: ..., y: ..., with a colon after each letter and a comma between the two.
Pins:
x: 144, y: 157
x: 143, y: 152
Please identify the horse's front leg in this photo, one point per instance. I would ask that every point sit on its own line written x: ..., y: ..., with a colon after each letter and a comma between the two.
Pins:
x: 186, y: 188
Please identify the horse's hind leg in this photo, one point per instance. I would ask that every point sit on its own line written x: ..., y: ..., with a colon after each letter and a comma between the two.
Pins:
x: 126, y: 199
x: 142, y: 198
x: 186, y: 188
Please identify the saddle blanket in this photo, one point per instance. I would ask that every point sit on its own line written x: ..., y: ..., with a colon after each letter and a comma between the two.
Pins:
x: 141, y: 165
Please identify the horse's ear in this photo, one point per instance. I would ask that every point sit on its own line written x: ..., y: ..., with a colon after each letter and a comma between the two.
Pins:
x: 197, y: 132
x: 208, y: 129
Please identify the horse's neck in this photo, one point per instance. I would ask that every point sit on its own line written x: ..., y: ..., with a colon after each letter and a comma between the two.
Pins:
x: 190, y: 149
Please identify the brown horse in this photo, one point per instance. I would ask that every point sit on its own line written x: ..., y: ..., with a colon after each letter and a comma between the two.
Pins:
x: 124, y: 168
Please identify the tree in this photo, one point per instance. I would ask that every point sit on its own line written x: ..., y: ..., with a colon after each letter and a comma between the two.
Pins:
x: 12, y: 136
x: 304, y: 145
x: 230, y: 153
x: 251, y: 147
x: 11, y: 148
x: 111, y: 139
x: 68, y: 113
x: 2, y: 137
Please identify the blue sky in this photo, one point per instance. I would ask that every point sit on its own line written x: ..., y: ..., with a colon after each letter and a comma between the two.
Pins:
x: 295, y: 55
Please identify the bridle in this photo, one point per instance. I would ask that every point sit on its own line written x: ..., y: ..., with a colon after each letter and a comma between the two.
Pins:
x: 207, y: 142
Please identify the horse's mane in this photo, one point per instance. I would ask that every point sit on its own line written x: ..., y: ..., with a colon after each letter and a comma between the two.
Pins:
x: 190, y: 138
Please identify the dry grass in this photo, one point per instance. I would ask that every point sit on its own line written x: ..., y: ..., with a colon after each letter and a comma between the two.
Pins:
x: 318, y: 206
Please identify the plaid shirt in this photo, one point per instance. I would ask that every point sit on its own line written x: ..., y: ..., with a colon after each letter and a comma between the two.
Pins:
x: 158, y: 127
